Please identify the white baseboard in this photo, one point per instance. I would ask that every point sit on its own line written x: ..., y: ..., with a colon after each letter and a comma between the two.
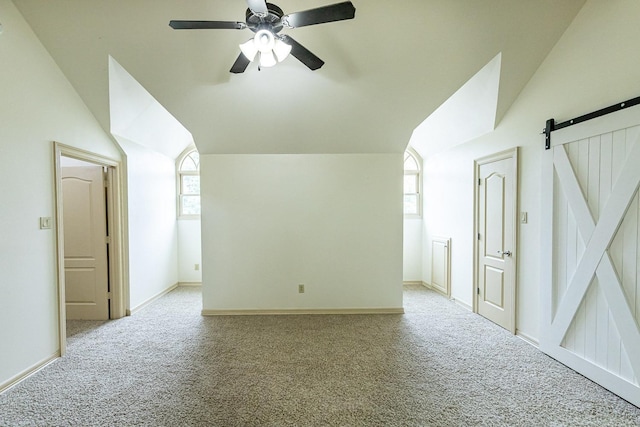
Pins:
x: 416, y: 283
x: 527, y: 338
x: 437, y: 290
x: 150, y: 300
x: 189, y: 284
x: 462, y: 304
x: 412, y: 283
x: 279, y: 312
x: 28, y: 372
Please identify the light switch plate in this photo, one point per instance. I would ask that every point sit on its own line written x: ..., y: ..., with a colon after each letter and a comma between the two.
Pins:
x: 524, y: 217
x: 45, y: 222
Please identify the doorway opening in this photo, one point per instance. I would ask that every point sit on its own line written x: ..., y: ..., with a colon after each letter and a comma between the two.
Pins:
x: 90, y: 240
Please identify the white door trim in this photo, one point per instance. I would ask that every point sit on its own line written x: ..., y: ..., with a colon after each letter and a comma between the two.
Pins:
x: 511, y: 153
x: 118, y: 249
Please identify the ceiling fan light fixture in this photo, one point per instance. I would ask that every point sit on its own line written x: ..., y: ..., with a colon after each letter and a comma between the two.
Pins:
x: 271, y: 49
x: 282, y: 50
x: 249, y: 49
x: 267, y: 59
x: 264, y: 41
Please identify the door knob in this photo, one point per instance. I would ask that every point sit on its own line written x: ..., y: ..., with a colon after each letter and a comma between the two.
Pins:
x: 505, y: 253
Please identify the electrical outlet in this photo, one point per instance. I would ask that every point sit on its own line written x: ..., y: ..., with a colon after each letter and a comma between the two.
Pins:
x: 301, y: 289
x: 196, y: 267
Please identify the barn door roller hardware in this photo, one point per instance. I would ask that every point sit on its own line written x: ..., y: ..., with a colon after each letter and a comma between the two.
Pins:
x: 553, y: 126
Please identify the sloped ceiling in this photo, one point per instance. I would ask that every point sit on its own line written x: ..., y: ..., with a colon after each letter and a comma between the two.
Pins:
x: 137, y: 116
x: 467, y: 114
x: 385, y: 72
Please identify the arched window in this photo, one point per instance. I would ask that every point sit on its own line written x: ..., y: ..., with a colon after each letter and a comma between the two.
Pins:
x: 412, y: 202
x: 189, y: 184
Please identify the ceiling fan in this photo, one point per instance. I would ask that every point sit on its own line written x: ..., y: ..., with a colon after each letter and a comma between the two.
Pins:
x: 266, y: 20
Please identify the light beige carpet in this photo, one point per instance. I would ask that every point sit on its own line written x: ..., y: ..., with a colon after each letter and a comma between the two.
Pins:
x: 437, y: 365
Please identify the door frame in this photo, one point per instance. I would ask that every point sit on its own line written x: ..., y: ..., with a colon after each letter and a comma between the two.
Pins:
x: 117, y: 220
x: 512, y: 153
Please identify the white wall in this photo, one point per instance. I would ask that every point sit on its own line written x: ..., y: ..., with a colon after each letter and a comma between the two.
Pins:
x: 38, y: 106
x: 153, y: 230
x: 331, y: 222
x: 448, y: 212
x: 189, y: 251
x: 412, y: 250
x: 595, y: 64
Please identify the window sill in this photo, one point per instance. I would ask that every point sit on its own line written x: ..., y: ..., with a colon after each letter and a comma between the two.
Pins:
x: 412, y: 216
x: 188, y: 217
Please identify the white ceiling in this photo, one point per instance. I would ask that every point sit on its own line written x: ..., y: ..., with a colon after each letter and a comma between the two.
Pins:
x: 385, y: 72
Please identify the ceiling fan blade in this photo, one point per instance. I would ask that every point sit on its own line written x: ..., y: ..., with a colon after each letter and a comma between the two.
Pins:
x: 240, y: 65
x: 321, y: 15
x: 259, y: 7
x: 207, y: 25
x: 303, y: 54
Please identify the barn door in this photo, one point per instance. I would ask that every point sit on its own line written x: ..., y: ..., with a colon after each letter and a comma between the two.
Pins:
x: 590, y: 277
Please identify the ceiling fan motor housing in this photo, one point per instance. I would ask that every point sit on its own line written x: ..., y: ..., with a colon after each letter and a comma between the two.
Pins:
x: 271, y: 22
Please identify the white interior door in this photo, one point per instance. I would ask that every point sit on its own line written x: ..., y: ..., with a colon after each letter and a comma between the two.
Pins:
x: 591, y: 261
x: 85, y: 244
x: 496, y: 210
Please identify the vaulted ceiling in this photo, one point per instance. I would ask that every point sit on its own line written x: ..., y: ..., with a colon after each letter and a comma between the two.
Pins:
x: 385, y: 72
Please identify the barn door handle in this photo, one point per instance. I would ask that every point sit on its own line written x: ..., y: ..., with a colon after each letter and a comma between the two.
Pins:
x: 505, y: 253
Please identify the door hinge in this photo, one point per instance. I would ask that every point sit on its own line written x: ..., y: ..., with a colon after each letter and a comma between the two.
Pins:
x: 478, y: 236
x: 479, y: 181
x: 107, y: 240
x: 478, y: 291
x: 109, y: 296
